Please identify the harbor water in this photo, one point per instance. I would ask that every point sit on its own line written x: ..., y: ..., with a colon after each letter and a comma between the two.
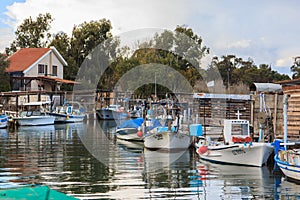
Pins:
x: 86, y: 161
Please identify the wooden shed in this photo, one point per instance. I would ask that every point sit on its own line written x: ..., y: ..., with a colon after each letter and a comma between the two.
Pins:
x: 292, y: 89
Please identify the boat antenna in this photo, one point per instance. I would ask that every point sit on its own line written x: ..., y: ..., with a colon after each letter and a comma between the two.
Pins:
x: 155, y: 86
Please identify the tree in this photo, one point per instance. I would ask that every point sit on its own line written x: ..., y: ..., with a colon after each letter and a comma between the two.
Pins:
x: 189, y: 45
x: 61, y: 42
x: 88, y: 35
x: 236, y: 71
x: 4, y: 77
x: 295, y: 68
x: 85, y: 38
x: 181, y: 50
x: 32, y: 33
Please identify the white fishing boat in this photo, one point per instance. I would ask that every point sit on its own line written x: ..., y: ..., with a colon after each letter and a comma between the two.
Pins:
x: 34, y: 114
x: 130, y: 130
x: 3, y: 120
x: 170, y: 137
x: 237, y: 147
x: 130, y: 134
x: 112, y: 112
x: 161, y: 138
x: 67, y: 114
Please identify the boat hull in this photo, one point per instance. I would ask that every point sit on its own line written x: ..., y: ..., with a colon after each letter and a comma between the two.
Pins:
x: 107, y: 114
x: 253, y: 154
x: 3, y: 121
x: 291, y: 171
x: 34, y: 120
x: 64, y: 118
x: 129, y: 134
x: 167, y: 140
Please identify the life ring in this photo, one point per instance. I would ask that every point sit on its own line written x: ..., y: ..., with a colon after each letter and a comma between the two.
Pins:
x: 139, y: 134
x: 202, y: 150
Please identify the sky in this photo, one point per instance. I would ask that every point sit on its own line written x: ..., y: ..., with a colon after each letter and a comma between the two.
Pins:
x: 266, y: 31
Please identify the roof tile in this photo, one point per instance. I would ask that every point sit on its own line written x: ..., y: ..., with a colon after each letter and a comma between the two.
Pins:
x: 24, y: 58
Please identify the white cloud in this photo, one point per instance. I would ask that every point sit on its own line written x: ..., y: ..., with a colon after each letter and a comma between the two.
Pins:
x: 240, y: 44
x: 6, y: 35
x: 267, y: 31
x: 124, y: 15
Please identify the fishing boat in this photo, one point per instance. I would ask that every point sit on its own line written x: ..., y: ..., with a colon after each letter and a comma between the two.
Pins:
x: 67, y: 114
x: 3, y: 120
x: 288, y: 161
x: 237, y: 147
x: 34, y: 114
x: 111, y: 112
x: 286, y: 157
x: 33, y: 192
x: 171, y: 136
x: 130, y: 130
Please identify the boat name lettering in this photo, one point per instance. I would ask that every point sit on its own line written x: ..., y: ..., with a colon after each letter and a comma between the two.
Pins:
x: 240, y: 122
x: 158, y: 136
x: 238, y: 151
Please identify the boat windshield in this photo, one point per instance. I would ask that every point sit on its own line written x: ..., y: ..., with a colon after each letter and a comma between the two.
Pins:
x: 23, y: 113
x: 36, y: 113
x: 113, y: 107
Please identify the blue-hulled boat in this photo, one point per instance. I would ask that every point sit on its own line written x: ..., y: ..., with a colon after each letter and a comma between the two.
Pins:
x: 288, y: 161
x: 3, y: 120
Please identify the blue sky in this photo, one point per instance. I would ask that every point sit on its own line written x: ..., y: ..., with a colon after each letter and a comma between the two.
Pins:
x: 3, y: 5
x: 266, y: 31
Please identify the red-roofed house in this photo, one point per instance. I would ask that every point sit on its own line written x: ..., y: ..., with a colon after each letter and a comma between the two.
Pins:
x: 36, y: 69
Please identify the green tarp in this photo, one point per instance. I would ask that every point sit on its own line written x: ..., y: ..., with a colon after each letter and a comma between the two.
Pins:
x: 34, y: 193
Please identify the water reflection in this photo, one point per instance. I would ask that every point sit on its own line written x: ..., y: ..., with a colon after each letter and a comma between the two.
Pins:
x: 86, y: 160
x: 235, y: 182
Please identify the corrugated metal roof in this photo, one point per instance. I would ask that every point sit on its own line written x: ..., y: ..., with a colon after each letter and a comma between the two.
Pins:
x: 221, y: 96
x: 267, y: 87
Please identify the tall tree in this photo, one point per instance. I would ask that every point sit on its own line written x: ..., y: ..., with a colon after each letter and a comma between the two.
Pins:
x: 181, y: 50
x: 295, y: 68
x: 4, y: 77
x: 32, y: 33
x: 235, y: 70
x: 61, y: 42
x: 86, y: 36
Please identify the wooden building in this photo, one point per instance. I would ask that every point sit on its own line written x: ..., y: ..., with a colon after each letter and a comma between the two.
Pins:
x: 263, y: 108
x: 292, y: 89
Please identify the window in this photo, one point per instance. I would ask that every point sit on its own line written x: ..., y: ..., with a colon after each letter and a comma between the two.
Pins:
x: 42, y: 69
x: 46, y: 70
x: 54, y: 70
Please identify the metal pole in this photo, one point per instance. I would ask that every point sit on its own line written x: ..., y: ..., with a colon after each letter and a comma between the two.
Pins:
x: 285, y: 119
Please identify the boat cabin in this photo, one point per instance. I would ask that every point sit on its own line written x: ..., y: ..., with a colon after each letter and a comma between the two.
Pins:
x: 236, y: 131
x: 34, y: 108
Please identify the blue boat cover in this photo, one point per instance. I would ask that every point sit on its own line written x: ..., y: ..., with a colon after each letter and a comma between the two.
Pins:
x: 133, y: 123
x: 155, y: 122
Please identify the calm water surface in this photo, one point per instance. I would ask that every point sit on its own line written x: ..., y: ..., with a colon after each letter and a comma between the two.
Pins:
x: 86, y: 161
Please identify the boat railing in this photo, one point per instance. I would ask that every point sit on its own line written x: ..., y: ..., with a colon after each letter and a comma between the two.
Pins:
x: 290, y: 156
